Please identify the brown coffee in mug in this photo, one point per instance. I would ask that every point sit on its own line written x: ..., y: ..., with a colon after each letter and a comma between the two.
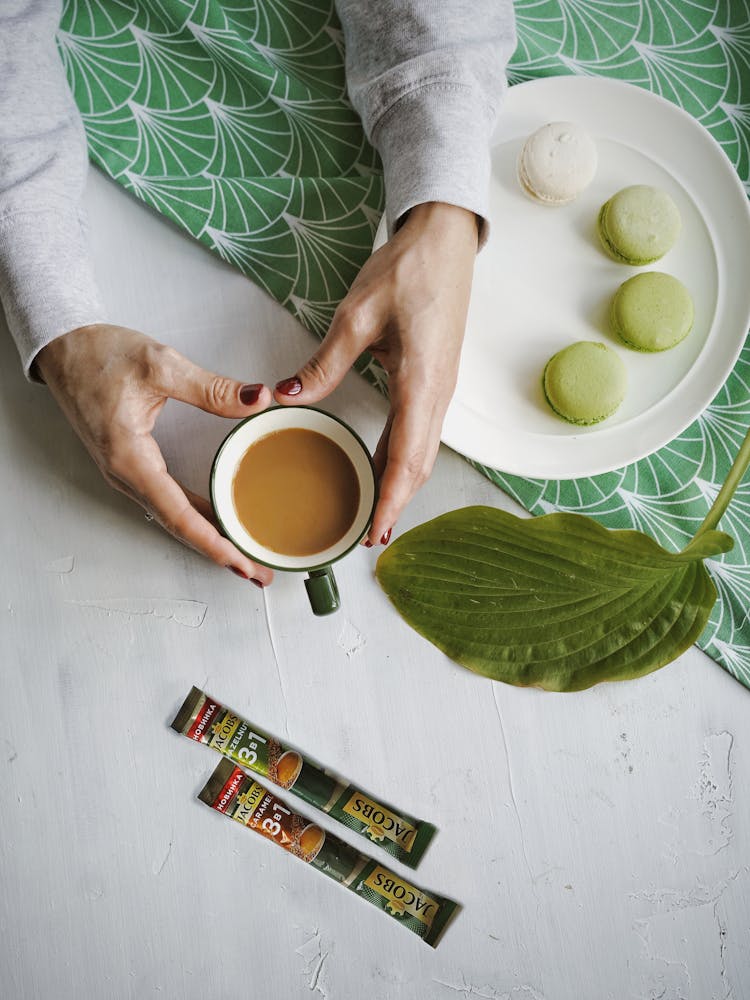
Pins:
x: 294, y: 488
x: 296, y: 491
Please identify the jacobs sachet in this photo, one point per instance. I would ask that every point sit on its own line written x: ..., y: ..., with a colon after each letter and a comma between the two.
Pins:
x: 231, y: 791
x: 205, y: 720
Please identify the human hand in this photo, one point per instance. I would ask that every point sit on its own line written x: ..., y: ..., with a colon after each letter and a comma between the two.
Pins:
x: 408, y: 306
x: 112, y: 383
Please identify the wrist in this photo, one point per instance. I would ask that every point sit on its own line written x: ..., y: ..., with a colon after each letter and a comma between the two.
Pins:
x: 54, y: 355
x: 439, y: 218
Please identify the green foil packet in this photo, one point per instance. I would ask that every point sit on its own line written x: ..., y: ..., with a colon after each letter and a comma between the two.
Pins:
x: 203, y: 719
x: 231, y: 791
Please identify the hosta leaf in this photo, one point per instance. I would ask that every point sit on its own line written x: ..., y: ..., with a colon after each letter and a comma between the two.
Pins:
x: 558, y: 601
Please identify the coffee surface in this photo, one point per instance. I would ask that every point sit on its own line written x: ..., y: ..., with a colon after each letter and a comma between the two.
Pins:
x: 296, y: 492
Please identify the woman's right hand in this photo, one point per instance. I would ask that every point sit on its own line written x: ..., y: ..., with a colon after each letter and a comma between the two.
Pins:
x: 112, y: 383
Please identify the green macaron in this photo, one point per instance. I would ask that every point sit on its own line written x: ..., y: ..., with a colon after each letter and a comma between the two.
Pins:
x: 639, y: 224
x: 652, y: 311
x: 585, y: 382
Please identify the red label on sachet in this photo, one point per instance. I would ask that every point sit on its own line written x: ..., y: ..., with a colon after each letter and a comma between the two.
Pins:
x: 228, y: 792
x: 200, y: 725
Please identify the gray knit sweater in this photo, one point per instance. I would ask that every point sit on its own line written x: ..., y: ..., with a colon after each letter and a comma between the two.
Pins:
x: 426, y: 76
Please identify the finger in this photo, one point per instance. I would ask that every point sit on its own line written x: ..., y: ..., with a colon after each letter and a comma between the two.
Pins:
x: 345, y: 341
x: 205, y: 509
x: 227, y: 397
x: 378, y: 460
x: 143, y: 474
x: 413, y: 442
x: 381, y: 451
x: 202, y: 505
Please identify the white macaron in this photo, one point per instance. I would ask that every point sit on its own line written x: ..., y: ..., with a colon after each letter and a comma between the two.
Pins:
x: 557, y: 163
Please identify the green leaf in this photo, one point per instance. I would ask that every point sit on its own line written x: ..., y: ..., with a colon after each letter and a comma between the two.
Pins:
x: 558, y: 601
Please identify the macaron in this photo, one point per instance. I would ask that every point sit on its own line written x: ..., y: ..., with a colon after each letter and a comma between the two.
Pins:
x: 639, y: 224
x: 557, y: 162
x: 652, y: 311
x: 585, y: 382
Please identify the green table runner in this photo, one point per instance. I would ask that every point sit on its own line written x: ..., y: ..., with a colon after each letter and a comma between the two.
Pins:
x: 230, y: 118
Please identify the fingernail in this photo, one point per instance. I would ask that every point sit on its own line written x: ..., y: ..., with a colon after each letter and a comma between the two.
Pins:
x: 386, y: 537
x: 289, y: 387
x: 368, y: 543
x: 238, y: 572
x: 258, y: 583
x: 250, y: 394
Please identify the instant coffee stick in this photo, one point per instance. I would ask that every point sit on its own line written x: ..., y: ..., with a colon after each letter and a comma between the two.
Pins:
x: 205, y: 720
x: 232, y: 792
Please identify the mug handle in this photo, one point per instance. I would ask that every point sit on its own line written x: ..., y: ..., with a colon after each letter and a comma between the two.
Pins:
x: 322, y: 591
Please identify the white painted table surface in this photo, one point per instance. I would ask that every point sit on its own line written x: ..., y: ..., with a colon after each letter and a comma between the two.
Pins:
x: 598, y: 841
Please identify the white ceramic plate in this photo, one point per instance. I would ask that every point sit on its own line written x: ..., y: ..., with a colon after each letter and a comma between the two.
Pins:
x: 543, y: 282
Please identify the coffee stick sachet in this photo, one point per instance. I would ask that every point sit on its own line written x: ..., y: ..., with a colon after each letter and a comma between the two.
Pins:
x: 203, y: 719
x: 231, y: 791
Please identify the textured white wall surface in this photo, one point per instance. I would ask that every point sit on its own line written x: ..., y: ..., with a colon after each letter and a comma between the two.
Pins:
x: 599, y: 842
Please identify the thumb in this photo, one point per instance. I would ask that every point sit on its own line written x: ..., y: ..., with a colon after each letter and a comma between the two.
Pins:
x: 327, y: 367
x: 226, y: 397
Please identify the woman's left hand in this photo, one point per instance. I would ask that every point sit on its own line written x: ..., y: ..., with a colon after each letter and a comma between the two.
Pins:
x: 408, y: 307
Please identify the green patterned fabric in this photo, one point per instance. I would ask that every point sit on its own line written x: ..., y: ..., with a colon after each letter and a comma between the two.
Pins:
x: 230, y: 118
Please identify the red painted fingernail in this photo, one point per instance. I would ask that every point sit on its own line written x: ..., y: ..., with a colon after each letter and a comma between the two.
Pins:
x: 250, y: 394
x: 386, y: 537
x: 289, y: 386
x: 368, y: 543
x: 238, y: 572
x: 258, y: 583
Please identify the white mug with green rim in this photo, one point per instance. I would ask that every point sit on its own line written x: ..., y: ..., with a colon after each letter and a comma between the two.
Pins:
x: 321, y: 585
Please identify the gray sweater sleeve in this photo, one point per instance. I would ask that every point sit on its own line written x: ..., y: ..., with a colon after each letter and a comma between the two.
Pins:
x: 427, y: 78
x: 47, y: 287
